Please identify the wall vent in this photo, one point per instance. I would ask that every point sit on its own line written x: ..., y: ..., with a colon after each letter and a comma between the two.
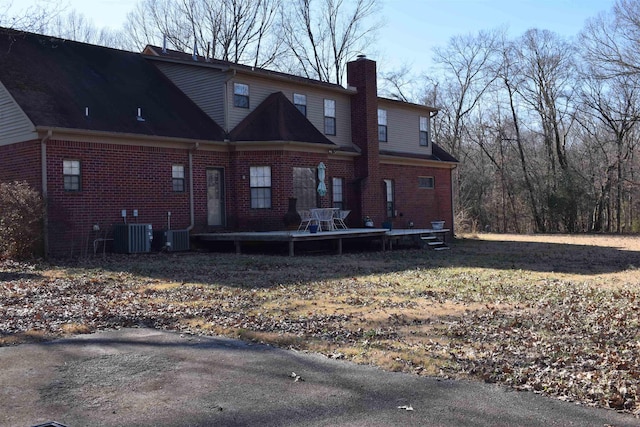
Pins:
x: 132, y: 238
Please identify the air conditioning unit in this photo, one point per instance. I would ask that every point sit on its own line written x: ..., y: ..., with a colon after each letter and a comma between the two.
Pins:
x: 132, y: 238
x: 170, y: 240
x: 176, y: 240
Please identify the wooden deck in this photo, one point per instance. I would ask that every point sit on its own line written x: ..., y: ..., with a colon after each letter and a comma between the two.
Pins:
x: 385, y: 236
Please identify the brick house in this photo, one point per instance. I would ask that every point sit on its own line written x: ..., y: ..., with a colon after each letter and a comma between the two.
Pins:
x: 204, y: 145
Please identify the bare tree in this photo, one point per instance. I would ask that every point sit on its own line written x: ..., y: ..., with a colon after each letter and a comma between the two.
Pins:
x: 402, y: 84
x: 615, y: 104
x: 612, y: 40
x: 466, y: 65
x: 323, y: 35
x: 239, y: 31
x: 34, y: 18
x: 550, y: 72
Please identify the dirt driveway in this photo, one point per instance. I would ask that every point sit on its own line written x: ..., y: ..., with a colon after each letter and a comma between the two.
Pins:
x: 144, y: 377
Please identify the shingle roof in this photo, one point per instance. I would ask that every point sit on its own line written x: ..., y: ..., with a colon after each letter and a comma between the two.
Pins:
x: 277, y: 119
x: 440, y: 154
x: 437, y: 153
x: 55, y: 80
x: 168, y: 54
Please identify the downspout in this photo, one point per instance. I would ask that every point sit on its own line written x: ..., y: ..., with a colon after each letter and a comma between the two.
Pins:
x: 43, y: 171
x: 192, y: 215
x: 226, y: 99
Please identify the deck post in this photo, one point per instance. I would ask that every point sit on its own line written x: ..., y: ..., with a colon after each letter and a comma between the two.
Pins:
x: 290, y: 247
x: 237, y: 245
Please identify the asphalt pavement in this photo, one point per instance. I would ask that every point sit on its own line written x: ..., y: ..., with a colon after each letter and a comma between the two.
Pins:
x: 147, y: 377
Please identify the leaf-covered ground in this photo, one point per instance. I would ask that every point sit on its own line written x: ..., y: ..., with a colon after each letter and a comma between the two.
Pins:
x: 556, y: 315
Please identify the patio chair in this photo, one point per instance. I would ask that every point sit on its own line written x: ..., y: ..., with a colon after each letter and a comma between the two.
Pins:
x: 306, y: 218
x: 339, y: 218
x: 325, y: 219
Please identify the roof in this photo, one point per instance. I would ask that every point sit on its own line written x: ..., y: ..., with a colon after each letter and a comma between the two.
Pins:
x: 401, y: 103
x: 57, y: 81
x: 155, y: 52
x: 277, y: 119
x: 438, y: 154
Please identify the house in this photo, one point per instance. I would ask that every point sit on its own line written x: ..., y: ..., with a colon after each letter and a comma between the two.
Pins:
x: 185, y: 142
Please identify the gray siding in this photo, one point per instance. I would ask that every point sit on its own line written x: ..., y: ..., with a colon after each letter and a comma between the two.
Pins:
x: 205, y: 86
x: 14, y: 123
x: 403, y: 128
x: 260, y: 89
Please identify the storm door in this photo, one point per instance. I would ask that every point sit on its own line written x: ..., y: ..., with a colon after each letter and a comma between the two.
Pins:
x: 215, y: 197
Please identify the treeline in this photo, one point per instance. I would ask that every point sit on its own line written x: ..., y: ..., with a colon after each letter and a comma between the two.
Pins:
x: 546, y: 128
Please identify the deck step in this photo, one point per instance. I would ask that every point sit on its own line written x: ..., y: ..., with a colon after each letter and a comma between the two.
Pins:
x: 437, y: 243
x: 441, y: 248
x: 428, y: 237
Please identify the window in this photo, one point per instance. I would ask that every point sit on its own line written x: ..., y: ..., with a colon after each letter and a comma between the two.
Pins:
x: 177, y: 177
x: 382, y: 125
x: 389, y: 191
x: 329, y: 116
x: 304, y: 188
x: 71, y: 175
x: 337, y: 190
x: 260, y: 183
x: 426, y: 182
x: 300, y: 101
x: 240, y: 95
x: 424, y: 131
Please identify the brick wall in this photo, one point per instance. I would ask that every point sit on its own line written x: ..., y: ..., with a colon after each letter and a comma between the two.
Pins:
x: 21, y: 162
x: 421, y: 206
x: 240, y: 215
x: 113, y: 178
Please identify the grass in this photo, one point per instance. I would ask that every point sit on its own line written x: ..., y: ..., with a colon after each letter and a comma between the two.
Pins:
x: 537, y: 313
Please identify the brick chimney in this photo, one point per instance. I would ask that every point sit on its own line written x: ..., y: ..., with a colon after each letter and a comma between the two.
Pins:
x: 362, y: 75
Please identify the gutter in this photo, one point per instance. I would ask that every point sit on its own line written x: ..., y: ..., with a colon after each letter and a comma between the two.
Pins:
x: 43, y: 178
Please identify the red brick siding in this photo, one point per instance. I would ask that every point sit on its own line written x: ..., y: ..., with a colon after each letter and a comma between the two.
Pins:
x: 113, y: 178
x: 239, y: 212
x: 21, y: 162
x: 421, y: 206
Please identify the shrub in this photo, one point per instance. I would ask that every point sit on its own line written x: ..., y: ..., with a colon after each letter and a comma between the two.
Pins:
x: 21, y: 219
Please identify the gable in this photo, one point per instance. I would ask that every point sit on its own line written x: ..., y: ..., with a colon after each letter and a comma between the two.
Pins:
x: 277, y: 119
x: 15, y: 125
x: 57, y: 82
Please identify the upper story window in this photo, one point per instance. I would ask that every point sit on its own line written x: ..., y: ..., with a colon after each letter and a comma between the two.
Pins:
x: 260, y: 183
x: 330, y: 116
x: 382, y: 125
x: 300, y: 101
x: 424, y: 131
x: 241, y: 95
x: 177, y: 178
x: 71, y: 175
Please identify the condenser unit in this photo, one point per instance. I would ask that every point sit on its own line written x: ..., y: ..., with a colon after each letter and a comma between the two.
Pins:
x: 132, y: 238
x: 170, y: 240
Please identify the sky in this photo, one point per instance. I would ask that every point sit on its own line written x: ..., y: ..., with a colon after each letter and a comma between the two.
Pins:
x: 413, y: 27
